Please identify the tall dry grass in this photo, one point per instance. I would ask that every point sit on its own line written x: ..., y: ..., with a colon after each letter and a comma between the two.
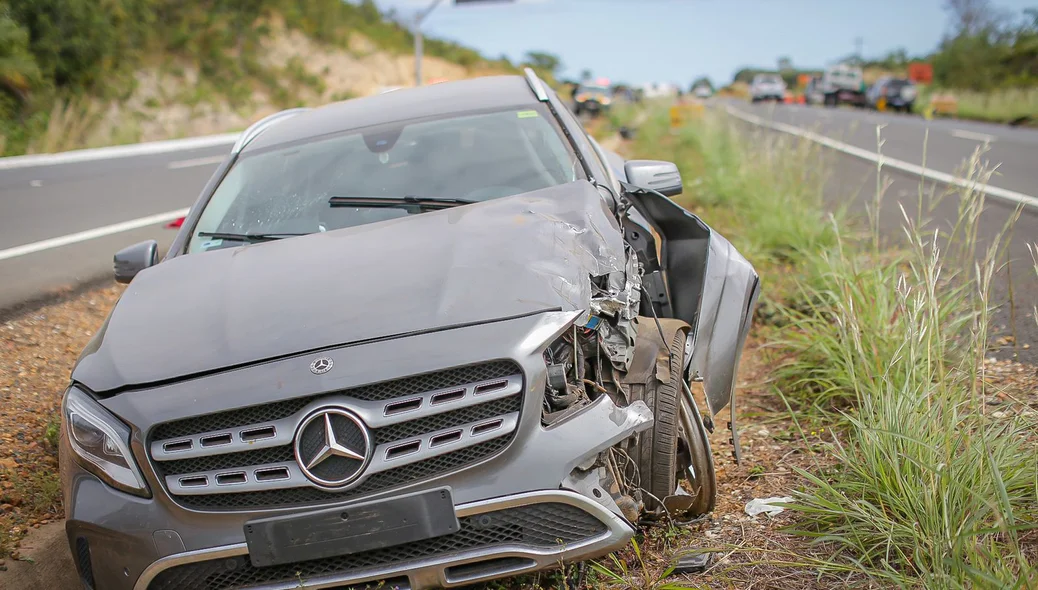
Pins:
x: 927, y: 490
x: 81, y: 122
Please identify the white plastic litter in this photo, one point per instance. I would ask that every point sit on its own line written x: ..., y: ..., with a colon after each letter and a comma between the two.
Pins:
x: 766, y: 505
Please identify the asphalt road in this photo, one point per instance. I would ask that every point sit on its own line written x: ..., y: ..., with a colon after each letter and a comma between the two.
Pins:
x: 47, y: 201
x: 948, y: 144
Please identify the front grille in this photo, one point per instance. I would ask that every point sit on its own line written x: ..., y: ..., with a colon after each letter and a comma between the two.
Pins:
x: 535, y: 526
x: 306, y: 496
x: 302, y: 493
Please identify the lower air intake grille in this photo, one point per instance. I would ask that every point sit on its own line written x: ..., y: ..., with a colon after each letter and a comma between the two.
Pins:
x: 535, y: 526
x: 86, y: 570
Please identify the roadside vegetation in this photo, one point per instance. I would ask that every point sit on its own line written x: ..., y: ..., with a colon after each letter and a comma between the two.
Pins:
x: 73, y: 75
x: 878, y: 346
x: 988, y: 62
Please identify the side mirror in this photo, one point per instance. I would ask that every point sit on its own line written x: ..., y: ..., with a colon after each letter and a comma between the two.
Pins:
x: 133, y: 259
x: 662, y: 177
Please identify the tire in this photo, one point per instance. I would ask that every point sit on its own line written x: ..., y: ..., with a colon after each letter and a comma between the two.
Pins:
x: 676, y: 440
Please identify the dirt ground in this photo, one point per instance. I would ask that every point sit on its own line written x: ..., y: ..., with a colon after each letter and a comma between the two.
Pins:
x: 39, y: 348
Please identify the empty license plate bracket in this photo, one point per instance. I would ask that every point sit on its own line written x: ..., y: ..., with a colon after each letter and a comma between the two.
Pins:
x: 351, y: 529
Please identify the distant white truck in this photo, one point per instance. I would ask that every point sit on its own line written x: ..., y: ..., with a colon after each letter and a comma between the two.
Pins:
x: 659, y: 90
x: 839, y: 84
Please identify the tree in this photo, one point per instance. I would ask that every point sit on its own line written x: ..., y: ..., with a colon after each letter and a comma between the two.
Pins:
x: 701, y: 81
x: 585, y: 75
x: 974, y: 17
x: 18, y: 70
x: 543, y: 61
x: 785, y: 64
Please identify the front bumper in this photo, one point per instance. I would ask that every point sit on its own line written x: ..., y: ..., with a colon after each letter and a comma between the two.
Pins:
x: 467, y: 557
x: 121, y: 541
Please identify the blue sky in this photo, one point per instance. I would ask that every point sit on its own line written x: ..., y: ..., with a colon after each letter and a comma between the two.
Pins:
x: 639, y: 41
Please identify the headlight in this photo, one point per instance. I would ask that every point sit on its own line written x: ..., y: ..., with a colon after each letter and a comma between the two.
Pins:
x: 908, y: 92
x: 101, y: 442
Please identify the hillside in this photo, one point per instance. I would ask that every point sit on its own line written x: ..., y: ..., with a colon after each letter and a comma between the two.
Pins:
x: 143, y: 70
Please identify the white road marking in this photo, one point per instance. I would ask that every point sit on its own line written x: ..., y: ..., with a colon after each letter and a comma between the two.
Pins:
x: 929, y: 173
x: 91, y: 234
x: 974, y: 136
x: 195, y: 162
x: 118, y: 151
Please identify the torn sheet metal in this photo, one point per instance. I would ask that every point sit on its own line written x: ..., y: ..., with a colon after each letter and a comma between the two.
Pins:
x: 712, y: 287
x: 621, y: 304
x: 730, y: 292
x: 503, y: 258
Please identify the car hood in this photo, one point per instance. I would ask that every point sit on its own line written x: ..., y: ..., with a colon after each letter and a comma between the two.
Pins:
x: 201, y: 313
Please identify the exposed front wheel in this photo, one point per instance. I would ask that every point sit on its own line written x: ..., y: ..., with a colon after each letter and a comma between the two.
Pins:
x: 676, y: 447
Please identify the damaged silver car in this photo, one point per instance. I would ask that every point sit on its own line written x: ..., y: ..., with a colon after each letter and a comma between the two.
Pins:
x: 426, y: 338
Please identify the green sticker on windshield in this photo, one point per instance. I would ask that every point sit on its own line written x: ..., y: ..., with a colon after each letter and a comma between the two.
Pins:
x: 526, y: 114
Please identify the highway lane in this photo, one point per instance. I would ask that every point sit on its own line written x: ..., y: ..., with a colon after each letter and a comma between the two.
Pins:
x: 45, y: 201
x: 949, y: 143
x: 944, y: 144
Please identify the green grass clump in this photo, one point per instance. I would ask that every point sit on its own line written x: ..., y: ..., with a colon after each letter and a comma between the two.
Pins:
x: 923, y: 488
x: 927, y: 488
x: 1000, y: 106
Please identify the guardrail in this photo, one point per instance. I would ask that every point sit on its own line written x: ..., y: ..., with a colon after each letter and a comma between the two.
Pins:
x: 118, y: 151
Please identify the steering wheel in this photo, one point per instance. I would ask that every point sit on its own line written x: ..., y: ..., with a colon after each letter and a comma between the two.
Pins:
x: 492, y: 192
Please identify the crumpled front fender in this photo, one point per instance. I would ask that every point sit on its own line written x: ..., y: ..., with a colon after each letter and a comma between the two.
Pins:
x: 711, y: 286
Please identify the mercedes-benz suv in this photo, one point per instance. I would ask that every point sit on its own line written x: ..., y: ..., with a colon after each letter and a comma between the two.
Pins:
x: 425, y: 338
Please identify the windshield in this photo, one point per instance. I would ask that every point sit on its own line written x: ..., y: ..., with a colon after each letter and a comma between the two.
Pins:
x: 768, y: 79
x: 476, y: 157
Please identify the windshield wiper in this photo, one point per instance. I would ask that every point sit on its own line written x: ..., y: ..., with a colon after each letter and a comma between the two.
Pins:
x: 251, y: 238
x: 407, y: 202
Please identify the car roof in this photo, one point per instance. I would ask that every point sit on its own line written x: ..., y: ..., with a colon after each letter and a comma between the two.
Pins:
x: 435, y: 100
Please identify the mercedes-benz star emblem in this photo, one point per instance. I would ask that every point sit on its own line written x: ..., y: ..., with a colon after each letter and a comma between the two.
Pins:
x: 333, y: 447
x: 321, y: 365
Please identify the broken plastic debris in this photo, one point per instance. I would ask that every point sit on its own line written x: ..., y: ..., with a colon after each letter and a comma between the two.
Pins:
x: 692, y: 564
x: 766, y: 505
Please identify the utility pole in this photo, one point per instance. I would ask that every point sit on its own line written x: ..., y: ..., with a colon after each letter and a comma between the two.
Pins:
x: 418, y: 18
x: 858, y: 43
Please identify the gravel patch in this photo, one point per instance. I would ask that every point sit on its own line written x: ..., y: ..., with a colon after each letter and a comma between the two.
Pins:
x: 37, y: 352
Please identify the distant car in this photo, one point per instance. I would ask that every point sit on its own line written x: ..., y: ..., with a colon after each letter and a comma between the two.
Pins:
x: 702, y: 91
x: 768, y: 87
x: 888, y: 92
x: 592, y: 99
